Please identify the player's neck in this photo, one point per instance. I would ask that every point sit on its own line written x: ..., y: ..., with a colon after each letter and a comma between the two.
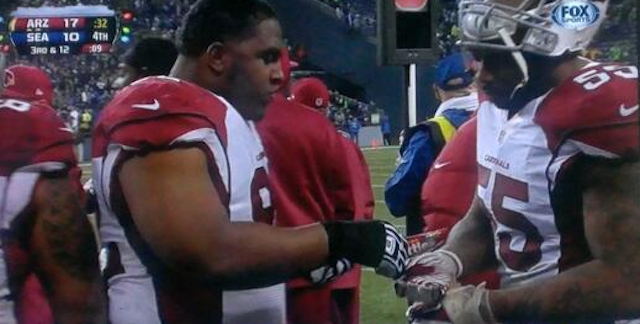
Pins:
x: 186, y: 69
x: 567, y: 69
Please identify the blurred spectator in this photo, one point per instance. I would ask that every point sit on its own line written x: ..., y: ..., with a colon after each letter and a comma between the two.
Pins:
x: 422, y: 143
x: 339, y: 13
x: 354, y: 129
x: 358, y: 15
x: 311, y: 92
x: 385, y: 128
x: 150, y: 56
x: 73, y: 118
x: 86, y: 123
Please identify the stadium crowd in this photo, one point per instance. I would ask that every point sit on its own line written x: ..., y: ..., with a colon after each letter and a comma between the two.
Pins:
x: 357, y: 15
x: 84, y: 83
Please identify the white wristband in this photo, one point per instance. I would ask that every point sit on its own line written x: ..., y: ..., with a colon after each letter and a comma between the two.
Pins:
x: 456, y: 261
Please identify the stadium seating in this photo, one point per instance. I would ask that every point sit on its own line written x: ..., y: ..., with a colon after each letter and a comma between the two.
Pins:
x: 84, y: 82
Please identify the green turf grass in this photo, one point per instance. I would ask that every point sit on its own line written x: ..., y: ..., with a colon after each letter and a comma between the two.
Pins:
x: 378, y: 303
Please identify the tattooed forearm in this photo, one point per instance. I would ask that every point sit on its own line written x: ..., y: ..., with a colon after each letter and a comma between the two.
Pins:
x: 472, y: 240
x: 66, y: 233
x: 590, y: 293
x: 604, y: 289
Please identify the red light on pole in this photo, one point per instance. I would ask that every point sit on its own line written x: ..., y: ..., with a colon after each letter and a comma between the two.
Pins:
x: 127, y: 15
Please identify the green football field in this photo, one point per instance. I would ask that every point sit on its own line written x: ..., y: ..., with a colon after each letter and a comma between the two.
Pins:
x: 378, y: 303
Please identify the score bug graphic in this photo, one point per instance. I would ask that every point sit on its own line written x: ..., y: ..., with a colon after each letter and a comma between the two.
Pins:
x: 576, y: 14
x: 63, y: 30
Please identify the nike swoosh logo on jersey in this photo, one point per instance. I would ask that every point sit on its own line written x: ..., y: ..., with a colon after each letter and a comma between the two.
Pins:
x: 624, y: 111
x: 66, y: 129
x: 154, y: 106
x: 441, y: 165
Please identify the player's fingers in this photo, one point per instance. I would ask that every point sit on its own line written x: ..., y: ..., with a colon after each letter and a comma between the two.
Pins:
x: 400, y: 287
x: 420, y: 311
x: 419, y: 314
x: 429, y: 294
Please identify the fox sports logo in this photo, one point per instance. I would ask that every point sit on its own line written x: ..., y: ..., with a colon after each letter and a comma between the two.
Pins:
x: 576, y: 14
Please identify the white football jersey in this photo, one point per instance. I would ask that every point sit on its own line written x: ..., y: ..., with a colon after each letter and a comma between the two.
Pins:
x: 160, y: 113
x: 526, y: 177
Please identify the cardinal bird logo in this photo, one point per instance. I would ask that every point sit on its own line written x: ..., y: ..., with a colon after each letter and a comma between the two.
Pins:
x: 9, y: 79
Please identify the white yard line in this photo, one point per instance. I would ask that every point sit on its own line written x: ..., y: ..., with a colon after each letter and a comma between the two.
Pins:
x: 395, y: 147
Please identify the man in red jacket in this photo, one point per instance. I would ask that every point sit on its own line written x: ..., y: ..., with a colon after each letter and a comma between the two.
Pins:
x: 449, y: 189
x: 313, y: 168
x: 312, y: 92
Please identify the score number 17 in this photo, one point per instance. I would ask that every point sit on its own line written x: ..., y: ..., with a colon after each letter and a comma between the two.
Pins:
x: 71, y: 22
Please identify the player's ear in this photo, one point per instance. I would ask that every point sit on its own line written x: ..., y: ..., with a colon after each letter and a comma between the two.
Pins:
x: 216, y: 57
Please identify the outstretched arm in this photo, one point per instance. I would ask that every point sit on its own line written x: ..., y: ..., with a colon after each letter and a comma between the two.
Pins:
x: 471, y: 240
x: 177, y: 211
x: 64, y: 250
x: 606, y: 288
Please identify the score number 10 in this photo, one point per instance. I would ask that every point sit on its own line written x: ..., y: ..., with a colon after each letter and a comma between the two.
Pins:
x: 71, y: 37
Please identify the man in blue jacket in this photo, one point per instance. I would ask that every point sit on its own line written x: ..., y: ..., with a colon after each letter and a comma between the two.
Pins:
x: 422, y: 143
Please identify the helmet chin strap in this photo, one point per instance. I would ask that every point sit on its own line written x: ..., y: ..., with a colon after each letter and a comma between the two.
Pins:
x: 518, y: 57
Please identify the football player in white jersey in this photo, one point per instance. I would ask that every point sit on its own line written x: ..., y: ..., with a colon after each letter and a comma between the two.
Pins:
x: 180, y: 176
x: 558, y: 176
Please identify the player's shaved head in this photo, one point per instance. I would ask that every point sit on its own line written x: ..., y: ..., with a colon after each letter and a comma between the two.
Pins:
x: 211, y: 21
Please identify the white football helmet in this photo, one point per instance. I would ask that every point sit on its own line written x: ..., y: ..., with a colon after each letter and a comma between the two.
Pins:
x: 481, y: 22
x: 531, y: 26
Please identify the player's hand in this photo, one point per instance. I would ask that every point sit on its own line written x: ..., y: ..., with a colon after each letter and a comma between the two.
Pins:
x: 461, y: 305
x: 468, y: 305
x: 330, y: 272
x: 371, y: 243
x: 395, y: 254
x: 427, y: 279
x: 417, y: 314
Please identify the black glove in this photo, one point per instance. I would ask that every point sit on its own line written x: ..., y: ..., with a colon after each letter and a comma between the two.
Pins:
x: 330, y: 272
x: 371, y: 243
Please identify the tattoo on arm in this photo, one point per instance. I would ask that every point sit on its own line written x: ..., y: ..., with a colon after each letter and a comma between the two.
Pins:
x: 65, y: 229
x: 605, y: 288
x: 472, y: 239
